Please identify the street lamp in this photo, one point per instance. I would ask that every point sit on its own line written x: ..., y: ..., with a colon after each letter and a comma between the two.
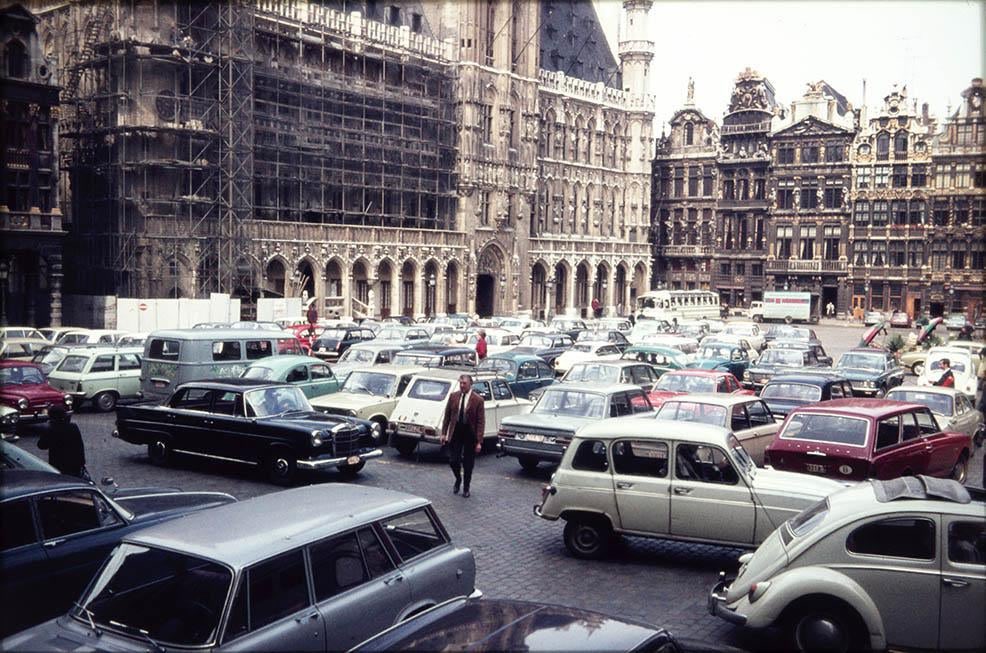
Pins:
x: 430, y: 309
x: 4, y: 273
x: 951, y: 300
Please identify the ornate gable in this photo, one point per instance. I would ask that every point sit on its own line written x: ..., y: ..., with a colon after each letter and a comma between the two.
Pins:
x: 812, y: 126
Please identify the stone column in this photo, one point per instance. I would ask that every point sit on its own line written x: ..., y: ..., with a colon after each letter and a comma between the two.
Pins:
x: 420, y: 285
x: 396, y: 289
x: 347, y: 294
x: 570, y: 309
x: 55, y: 289
x: 609, y: 293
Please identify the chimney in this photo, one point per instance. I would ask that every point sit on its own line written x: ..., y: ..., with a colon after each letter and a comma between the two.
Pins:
x: 831, y: 109
x: 793, y: 111
x: 924, y: 113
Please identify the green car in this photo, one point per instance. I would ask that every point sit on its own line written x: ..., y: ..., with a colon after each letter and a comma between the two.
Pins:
x: 312, y: 375
x: 662, y: 359
x: 102, y: 375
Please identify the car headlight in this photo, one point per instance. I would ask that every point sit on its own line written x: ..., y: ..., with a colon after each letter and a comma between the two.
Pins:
x: 746, y: 375
x: 316, y: 438
x: 11, y: 418
x: 23, y: 404
x: 68, y: 400
x: 376, y: 431
x: 351, y: 413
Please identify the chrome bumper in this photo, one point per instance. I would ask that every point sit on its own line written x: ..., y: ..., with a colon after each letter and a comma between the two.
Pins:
x: 717, y: 604
x: 320, y: 463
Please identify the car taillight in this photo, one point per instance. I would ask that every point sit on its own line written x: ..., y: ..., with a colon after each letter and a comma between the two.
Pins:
x: 757, y: 590
x: 546, y: 491
x: 429, y: 431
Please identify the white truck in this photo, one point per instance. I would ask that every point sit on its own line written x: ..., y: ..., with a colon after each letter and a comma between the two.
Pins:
x: 782, y: 306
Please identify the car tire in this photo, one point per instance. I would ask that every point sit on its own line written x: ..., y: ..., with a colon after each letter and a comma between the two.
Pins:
x: 960, y: 472
x: 880, y: 393
x: 280, y: 466
x: 159, y: 452
x: 350, y: 471
x: 825, y: 627
x: 788, y: 319
x: 979, y: 435
x: 588, y: 538
x: 405, y: 446
x: 918, y: 368
x: 528, y: 463
x: 104, y: 402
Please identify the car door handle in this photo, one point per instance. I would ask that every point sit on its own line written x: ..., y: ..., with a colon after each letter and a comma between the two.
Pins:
x: 53, y: 543
x: 312, y: 617
x: 395, y: 579
x: 816, y: 453
x: 683, y: 490
x: 955, y: 582
x: 622, y: 485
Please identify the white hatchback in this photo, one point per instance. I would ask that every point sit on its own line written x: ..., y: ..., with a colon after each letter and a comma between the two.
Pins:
x: 961, y: 363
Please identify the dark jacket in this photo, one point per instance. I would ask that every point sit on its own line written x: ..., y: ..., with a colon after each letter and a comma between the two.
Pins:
x: 66, y: 453
x: 947, y: 379
x: 475, y: 415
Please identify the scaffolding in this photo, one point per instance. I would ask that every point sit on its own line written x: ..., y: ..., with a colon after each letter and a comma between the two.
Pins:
x: 186, y: 122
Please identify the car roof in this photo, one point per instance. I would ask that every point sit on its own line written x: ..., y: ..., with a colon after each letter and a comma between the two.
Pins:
x: 105, y: 349
x: 883, y: 353
x: 812, y: 378
x: 449, y: 374
x: 619, y: 362
x: 391, y: 369
x: 715, y: 398
x: 378, y: 346
x: 435, y: 350
x: 861, y: 406
x: 236, y: 383
x: 595, y: 388
x: 281, y: 362
x: 694, y: 371
x: 228, y: 333
x: 517, y: 358
x: 902, y: 494
x: 929, y: 389
x: 16, y: 483
x: 633, y: 427
x: 285, y: 520
x: 11, y: 362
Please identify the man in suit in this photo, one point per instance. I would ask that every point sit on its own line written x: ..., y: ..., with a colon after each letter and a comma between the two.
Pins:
x: 465, y: 422
x: 947, y: 378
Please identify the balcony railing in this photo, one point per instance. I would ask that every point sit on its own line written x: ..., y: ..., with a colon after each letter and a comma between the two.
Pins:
x: 686, y: 250
x: 28, y: 221
x: 797, y: 265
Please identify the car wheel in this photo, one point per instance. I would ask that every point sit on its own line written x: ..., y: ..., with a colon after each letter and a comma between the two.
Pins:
x: 880, y: 393
x: 917, y: 368
x: 159, y: 452
x: 405, y: 446
x: 788, y: 319
x: 961, y: 469
x: 350, y: 471
x: 822, y: 629
x: 281, y: 466
x: 588, y: 538
x: 980, y: 434
x: 528, y: 463
x: 104, y: 402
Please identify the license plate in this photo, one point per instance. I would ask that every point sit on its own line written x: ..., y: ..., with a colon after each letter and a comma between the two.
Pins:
x: 352, y: 460
x: 530, y: 437
x: 321, y: 349
x: 159, y: 384
x: 413, y: 428
x: 44, y: 413
x: 817, y: 469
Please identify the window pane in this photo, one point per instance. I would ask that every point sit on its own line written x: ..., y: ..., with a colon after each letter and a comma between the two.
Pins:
x: 641, y: 458
x: 337, y: 566
x: 967, y: 543
x: 18, y: 526
x: 128, y: 362
x: 102, y: 364
x: 695, y: 462
x: 277, y: 588
x: 413, y: 534
x: 165, y: 349
x: 226, y: 350
x: 590, y: 456
x: 888, y: 432
x: 257, y: 349
x: 377, y: 561
x: 896, y: 538
x: 67, y: 513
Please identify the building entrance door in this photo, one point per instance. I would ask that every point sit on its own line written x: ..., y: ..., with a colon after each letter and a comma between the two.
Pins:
x: 484, y: 295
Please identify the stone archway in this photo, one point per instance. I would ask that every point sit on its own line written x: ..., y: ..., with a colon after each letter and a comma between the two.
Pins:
x: 562, y: 280
x: 582, y: 288
x: 539, y: 290
x: 334, y: 300
x: 385, y: 283
x: 359, y: 290
x: 620, y: 291
x: 304, y: 275
x: 409, y: 275
x: 640, y: 285
x: 452, y: 278
x: 491, y: 273
x: 275, y: 278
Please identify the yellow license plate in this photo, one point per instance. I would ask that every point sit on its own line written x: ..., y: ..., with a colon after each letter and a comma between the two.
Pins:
x: 352, y: 460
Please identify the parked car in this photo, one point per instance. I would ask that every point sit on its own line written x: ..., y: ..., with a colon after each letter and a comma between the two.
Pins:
x: 612, y: 336
x: 956, y: 321
x: 133, y: 340
x: 23, y: 387
x: 674, y: 480
x: 482, y: 624
x: 57, y: 529
x: 900, y: 320
x: 621, y: 324
x: 48, y: 357
x: 560, y: 411
x: 662, y: 359
x: 612, y: 371
x: 777, y: 361
x: 724, y: 356
x: 271, y: 426
x: 524, y: 373
x: 333, y: 342
x: 747, y: 330
x: 22, y: 349
x: 748, y: 417
x: 683, y: 382
x: 9, y: 332
x: 91, y: 337
x: 519, y: 324
x: 13, y: 457
x: 9, y: 417
x: 548, y: 346
x: 405, y: 335
x: 101, y: 375
x: 51, y: 334
x: 845, y: 573
x: 436, y: 356
x: 856, y: 439
x: 569, y: 326
x: 813, y: 345
x: 788, y: 332
x: 952, y: 409
x: 873, y: 317
x: 369, y: 393
x: 974, y: 348
x: 497, y: 342
x: 335, y: 564
x: 367, y: 353
x: 586, y: 351
x: 647, y: 327
x: 420, y: 412
x: 785, y: 392
x: 960, y: 362
x: 684, y: 344
x: 870, y: 371
x: 305, y: 333
x: 311, y: 375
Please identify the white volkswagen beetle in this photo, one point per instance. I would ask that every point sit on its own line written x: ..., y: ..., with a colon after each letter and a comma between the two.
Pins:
x: 961, y: 363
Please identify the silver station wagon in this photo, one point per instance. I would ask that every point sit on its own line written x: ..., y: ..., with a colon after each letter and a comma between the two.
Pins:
x: 316, y: 568
x: 667, y: 479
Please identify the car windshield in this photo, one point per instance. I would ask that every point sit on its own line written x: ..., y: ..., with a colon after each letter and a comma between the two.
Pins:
x: 693, y: 411
x: 739, y: 330
x: 582, y: 347
x: 377, y: 384
x: 20, y: 375
x: 162, y: 595
x: 332, y: 334
x: 799, y: 391
x: 356, y: 355
x: 836, y: 429
x: 535, y: 341
x: 715, y: 351
x: 592, y: 373
x: 73, y: 364
x: 685, y: 383
x: 573, y: 403
x: 741, y: 456
x: 938, y: 403
x: 429, y: 389
x: 266, y: 402
x: 49, y: 356
x: 957, y: 364
x: 785, y: 357
x: 390, y: 334
x: 499, y: 365
x: 425, y: 359
x: 258, y: 372
x: 862, y: 362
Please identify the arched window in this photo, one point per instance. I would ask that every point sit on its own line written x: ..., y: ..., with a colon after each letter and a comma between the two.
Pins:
x: 689, y: 133
x: 883, y: 146
x: 900, y: 146
x: 15, y: 54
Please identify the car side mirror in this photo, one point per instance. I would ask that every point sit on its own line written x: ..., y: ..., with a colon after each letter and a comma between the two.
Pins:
x: 107, y: 481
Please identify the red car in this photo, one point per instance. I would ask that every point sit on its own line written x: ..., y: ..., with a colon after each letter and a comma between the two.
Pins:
x: 23, y: 386
x: 301, y: 332
x: 856, y: 439
x: 682, y: 382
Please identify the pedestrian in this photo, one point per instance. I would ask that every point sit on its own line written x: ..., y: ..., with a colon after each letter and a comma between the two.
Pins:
x: 965, y: 333
x: 312, y: 319
x: 947, y: 378
x: 829, y: 309
x: 465, y: 423
x: 63, y: 440
x: 597, y: 308
x: 481, y: 344
x: 633, y: 319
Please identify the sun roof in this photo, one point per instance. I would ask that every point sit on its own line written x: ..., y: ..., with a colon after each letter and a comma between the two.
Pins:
x: 920, y: 487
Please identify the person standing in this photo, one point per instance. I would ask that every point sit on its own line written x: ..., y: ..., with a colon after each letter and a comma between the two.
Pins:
x: 597, y: 308
x: 63, y: 440
x: 829, y: 309
x: 465, y: 422
x: 312, y: 319
x: 947, y: 378
x: 481, y: 344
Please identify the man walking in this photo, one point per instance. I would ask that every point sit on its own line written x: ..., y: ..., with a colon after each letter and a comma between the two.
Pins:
x: 829, y: 309
x: 63, y: 440
x: 312, y: 319
x: 465, y: 422
x: 481, y: 345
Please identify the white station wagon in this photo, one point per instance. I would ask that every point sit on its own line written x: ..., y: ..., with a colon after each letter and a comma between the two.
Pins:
x: 676, y: 480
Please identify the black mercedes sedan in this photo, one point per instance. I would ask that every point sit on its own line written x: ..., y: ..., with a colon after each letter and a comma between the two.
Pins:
x: 785, y: 392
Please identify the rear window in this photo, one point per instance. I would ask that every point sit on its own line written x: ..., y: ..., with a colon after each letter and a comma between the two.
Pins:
x: 806, y: 521
x: 798, y: 391
x: 429, y: 389
x: 73, y: 364
x: 835, y: 429
x: 165, y: 349
x: 939, y: 403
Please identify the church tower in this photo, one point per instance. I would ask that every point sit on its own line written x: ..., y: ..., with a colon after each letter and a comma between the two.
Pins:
x: 636, y: 49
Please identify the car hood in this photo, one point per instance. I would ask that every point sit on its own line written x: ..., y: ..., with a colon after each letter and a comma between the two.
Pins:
x: 658, y: 397
x: 348, y: 401
x: 768, y: 479
x: 32, y: 392
x: 546, y: 422
x: 157, y: 502
x: 770, y: 368
x: 65, y: 634
x: 308, y: 420
x: 858, y: 373
x: 708, y: 363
